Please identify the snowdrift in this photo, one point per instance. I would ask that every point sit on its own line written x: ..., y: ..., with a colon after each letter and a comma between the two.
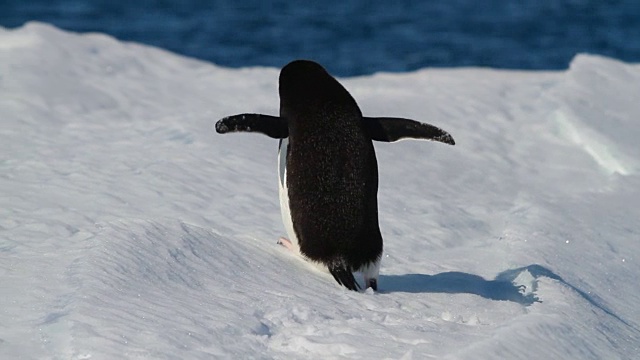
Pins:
x: 131, y: 230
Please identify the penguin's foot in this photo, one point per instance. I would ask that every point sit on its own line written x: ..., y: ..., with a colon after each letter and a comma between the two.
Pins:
x: 370, y: 273
x: 372, y: 283
x: 286, y: 243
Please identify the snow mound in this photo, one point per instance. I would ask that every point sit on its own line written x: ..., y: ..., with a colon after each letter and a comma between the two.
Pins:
x: 131, y: 230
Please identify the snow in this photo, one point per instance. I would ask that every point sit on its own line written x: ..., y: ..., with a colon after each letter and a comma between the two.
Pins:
x: 130, y: 229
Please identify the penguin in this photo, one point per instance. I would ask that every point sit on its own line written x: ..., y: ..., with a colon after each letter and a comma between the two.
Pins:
x: 328, y: 172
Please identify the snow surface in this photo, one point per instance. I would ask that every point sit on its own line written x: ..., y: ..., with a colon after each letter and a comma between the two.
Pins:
x: 130, y: 229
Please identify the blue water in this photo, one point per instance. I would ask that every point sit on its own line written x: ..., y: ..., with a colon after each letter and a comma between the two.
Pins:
x: 358, y: 37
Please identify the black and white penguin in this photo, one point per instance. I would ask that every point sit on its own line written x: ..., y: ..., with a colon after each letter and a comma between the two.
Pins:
x: 328, y: 173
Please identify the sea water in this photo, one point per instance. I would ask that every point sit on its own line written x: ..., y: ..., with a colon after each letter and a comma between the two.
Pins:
x: 358, y: 37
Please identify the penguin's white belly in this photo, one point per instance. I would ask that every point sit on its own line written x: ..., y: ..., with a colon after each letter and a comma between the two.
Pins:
x: 284, y: 193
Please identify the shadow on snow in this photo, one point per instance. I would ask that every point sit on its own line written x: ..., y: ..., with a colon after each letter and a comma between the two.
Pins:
x: 455, y: 282
x: 500, y: 288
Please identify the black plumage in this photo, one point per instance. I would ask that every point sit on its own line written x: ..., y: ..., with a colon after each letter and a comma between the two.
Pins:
x: 331, y: 167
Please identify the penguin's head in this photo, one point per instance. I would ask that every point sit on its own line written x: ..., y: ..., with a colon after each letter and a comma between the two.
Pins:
x: 305, y: 79
x: 306, y: 87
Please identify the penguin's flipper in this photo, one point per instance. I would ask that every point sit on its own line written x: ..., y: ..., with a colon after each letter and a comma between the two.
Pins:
x: 272, y: 126
x: 388, y: 129
x: 344, y: 276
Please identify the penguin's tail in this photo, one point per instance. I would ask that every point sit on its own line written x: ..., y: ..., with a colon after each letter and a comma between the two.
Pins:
x: 343, y: 275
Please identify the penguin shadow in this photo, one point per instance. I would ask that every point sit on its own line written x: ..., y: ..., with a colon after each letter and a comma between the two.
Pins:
x: 504, y: 287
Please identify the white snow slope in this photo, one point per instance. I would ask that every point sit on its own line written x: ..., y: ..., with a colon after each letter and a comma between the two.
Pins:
x: 129, y: 229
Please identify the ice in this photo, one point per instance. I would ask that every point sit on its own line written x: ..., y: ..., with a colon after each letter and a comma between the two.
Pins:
x: 130, y: 229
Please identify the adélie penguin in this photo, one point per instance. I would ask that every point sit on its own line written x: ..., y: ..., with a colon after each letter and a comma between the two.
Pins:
x: 328, y: 173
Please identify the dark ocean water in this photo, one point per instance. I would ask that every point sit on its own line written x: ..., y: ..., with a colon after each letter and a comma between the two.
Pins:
x: 357, y: 37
